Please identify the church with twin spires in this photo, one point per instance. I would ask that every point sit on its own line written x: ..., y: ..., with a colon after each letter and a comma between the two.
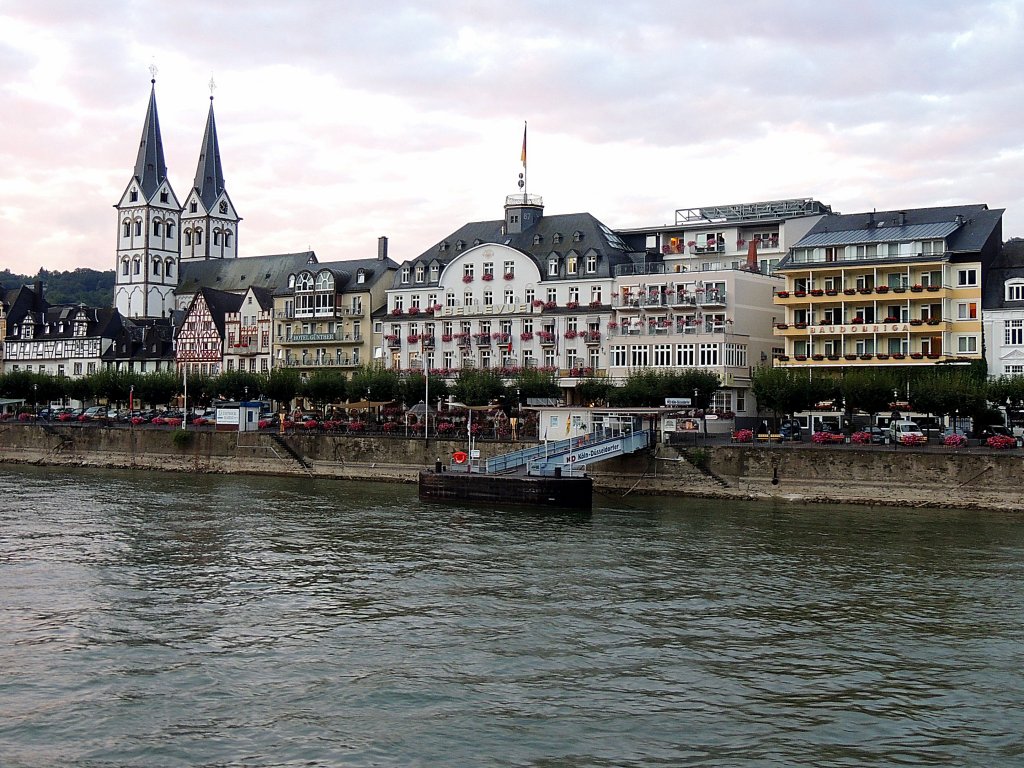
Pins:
x: 157, y: 234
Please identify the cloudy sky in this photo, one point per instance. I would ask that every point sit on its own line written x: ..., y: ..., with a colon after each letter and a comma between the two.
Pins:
x: 340, y: 121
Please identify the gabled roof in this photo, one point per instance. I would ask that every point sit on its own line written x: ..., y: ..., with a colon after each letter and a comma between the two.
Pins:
x: 238, y: 275
x: 220, y: 303
x: 150, y: 168
x: 209, y: 181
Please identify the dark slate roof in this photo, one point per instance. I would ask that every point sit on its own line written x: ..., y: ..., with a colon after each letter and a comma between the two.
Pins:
x: 966, y: 228
x: 220, y: 303
x: 345, y: 273
x: 150, y: 168
x: 264, y: 297
x: 142, y: 339
x: 238, y: 275
x: 209, y: 181
x: 611, y: 249
x: 24, y: 301
x: 1008, y: 265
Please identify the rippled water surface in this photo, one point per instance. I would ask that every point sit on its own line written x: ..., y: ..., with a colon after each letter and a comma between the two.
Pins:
x: 168, y: 620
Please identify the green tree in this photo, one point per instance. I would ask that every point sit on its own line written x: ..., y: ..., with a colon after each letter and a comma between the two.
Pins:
x: 531, y: 382
x: 157, y: 388
x: 479, y: 387
x: 412, y: 389
x: 593, y: 391
x: 374, y: 383
x: 324, y: 388
x: 281, y: 385
x: 238, y: 385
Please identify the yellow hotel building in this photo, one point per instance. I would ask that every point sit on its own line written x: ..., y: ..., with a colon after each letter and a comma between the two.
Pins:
x: 887, y: 288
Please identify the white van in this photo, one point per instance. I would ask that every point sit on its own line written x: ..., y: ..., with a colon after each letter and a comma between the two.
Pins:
x: 901, y: 430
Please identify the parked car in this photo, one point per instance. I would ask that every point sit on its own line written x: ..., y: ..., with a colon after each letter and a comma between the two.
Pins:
x: 791, y: 430
x: 878, y: 435
x: 992, y: 430
x: 905, y: 431
x: 94, y: 413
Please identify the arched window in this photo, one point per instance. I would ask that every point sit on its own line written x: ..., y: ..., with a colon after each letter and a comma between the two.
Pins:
x: 216, y: 237
x: 169, y: 268
x: 156, y: 267
x: 137, y: 267
x: 170, y: 230
x: 1015, y: 289
x: 127, y: 231
x: 227, y: 239
x: 199, y: 237
x: 138, y: 227
x: 291, y: 281
x: 304, y: 282
x: 156, y: 227
x: 325, y: 281
x: 188, y: 237
x: 124, y: 267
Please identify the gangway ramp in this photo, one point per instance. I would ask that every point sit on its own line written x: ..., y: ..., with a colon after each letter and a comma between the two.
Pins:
x: 584, y: 453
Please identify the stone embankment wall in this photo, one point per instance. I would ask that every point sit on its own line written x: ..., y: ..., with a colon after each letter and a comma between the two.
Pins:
x: 805, y: 473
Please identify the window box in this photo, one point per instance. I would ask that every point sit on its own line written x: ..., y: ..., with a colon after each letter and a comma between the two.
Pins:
x: 783, y: 294
x: 784, y: 358
x: 799, y: 294
x: 487, y: 277
x: 817, y: 357
x: 864, y: 291
x: 831, y: 292
x: 891, y: 319
x: 934, y: 321
x: 849, y: 291
x: 933, y: 356
x: 916, y: 356
x: 934, y: 288
x: 467, y: 278
x: 858, y: 320
x: 782, y: 326
x: 833, y: 357
x: 899, y: 289
x: 899, y: 356
x: 916, y: 288
x: 799, y: 357
x: 800, y: 326
x: 882, y: 356
x: 866, y: 357
x: 882, y: 288
x: 817, y: 292
x: 916, y: 322
x: 510, y: 275
x: 850, y: 356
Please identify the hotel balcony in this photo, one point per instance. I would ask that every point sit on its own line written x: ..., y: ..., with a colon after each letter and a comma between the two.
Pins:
x: 871, y: 359
x: 879, y: 293
x: 321, y: 362
x: 861, y: 328
x: 307, y: 338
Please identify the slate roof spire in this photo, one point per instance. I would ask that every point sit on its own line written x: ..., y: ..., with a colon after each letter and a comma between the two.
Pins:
x: 150, y: 168
x: 209, y: 182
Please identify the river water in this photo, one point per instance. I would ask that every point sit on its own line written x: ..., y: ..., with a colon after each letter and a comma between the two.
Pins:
x: 154, y: 619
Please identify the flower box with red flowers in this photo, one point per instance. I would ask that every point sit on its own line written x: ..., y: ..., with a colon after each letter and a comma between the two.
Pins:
x: 487, y: 277
x: 917, y: 322
x: 817, y: 292
x: 743, y: 436
x: 800, y: 357
x: 467, y: 278
x: 799, y: 294
x: 526, y: 335
x: 572, y: 305
x: 1000, y: 442
x: 397, y: 311
x: 783, y: 294
x: 882, y: 288
x: 550, y: 304
x: 831, y: 292
x: 817, y: 357
x: 414, y: 310
x: 849, y: 291
x: 538, y: 303
x: 510, y: 275
x: 571, y: 334
x: 916, y: 356
x: 446, y: 337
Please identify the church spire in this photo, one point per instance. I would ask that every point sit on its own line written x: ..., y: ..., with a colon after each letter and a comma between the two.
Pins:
x: 209, y: 182
x: 150, y: 168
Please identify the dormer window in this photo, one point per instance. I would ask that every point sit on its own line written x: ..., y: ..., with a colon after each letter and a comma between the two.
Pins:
x: 577, y: 236
x: 444, y: 246
x: 405, y: 275
x: 434, y: 273
x: 193, y: 207
x: 553, y: 267
x: 1015, y: 289
x: 361, y: 276
x: 163, y: 196
x: 291, y: 281
x: 420, y: 272
x: 133, y: 196
x: 460, y: 245
x: 556, y: 238
x: 537, y: 239
x: 570, y: 265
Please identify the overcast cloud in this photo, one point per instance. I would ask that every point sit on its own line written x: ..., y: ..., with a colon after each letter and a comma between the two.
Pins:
x: 343, y: 121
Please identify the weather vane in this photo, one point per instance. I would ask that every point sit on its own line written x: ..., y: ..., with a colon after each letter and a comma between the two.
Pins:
x: 152, y: 71
x: 213, y: 87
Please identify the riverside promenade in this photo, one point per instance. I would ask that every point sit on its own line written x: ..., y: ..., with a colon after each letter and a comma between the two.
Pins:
x: 976, y: 478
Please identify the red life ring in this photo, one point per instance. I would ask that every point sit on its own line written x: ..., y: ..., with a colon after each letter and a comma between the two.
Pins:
x: 459, y: 457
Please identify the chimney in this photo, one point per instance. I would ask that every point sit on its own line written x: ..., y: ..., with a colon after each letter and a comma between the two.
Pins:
x: 382, y: 248
x: 901, y: 219
x: 39, y: 289
x: 752, y: 256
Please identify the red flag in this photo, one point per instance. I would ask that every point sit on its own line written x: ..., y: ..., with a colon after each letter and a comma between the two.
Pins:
x: 509, y: 351
x: 523, y: 158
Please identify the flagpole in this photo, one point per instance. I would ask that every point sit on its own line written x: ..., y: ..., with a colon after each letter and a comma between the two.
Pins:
x: 184, y: 414
x: 522, y: 176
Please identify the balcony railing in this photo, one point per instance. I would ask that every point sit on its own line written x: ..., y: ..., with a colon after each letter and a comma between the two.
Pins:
x: 321, y: 362
x: 305, y: 338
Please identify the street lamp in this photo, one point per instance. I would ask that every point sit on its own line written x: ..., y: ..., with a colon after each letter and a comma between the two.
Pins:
x: 35, y: 397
